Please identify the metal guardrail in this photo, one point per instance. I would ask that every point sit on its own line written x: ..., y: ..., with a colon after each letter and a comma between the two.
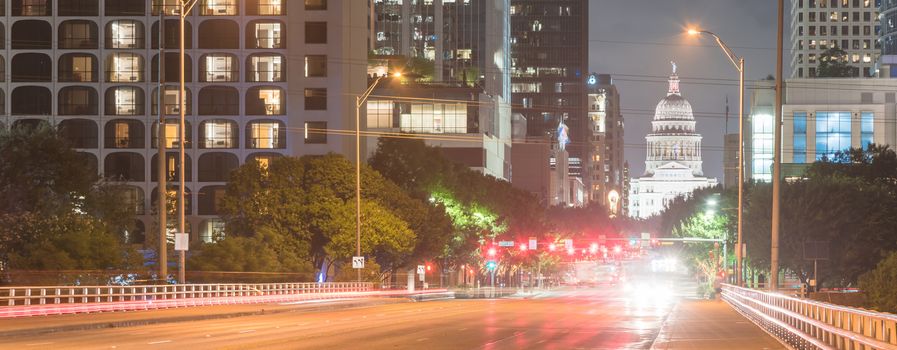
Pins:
x: 807, y: 324
x: 32, y: 301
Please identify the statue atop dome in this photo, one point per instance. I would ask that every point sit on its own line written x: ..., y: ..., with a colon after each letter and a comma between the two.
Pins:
x: 674, y: 66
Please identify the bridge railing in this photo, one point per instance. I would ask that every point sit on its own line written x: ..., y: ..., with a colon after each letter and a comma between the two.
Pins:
x: 807, y: 324
x: 31, y: 301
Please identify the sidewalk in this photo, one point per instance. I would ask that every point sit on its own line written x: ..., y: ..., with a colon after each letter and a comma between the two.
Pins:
x: 65, y: 323
x: 711, y: 324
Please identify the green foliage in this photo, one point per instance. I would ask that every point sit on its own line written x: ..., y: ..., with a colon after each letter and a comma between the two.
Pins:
x: 308, y: 205
x: 833, y: 64
x: 40, y: 172
x: 480, y: 207
x: 876, y: 163
x: 55, y: 212
x: 249, y: 254
x: 879, y: 283
x: 63, y: 242
x: 854, y: 216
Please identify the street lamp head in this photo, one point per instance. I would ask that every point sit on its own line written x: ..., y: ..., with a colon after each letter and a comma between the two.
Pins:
x: 397, y: 74
x: 692, y: 31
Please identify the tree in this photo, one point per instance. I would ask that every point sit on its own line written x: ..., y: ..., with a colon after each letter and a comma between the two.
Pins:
x: 879, y: 285
x: 833, y: 64
x: 40, y: 172
x: 480, y: 207
x: 874, y: 163
x: 55, y: 213
x: 855, y: 217
x: 308, y: 206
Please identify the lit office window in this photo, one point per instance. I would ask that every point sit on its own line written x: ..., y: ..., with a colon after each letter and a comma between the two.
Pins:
x: 832, y: 133
x: 264, y: 101
x: 124, y: 68
x: 218, y: 133
x: 218, y: 68
x: 125, y: 34
x: 218, y: 8
x: 266, y: 7
x: 800, y: 137
x: 265, y: 35
x: 265, y: 68
x: 867, y: 129
x: 266, y: 135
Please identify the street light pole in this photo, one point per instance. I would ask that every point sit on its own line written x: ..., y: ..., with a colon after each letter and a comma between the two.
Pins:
x: 739, y: 65
x: 359, y: 101
x: 184, y: 10
x: 162, y: 187
x: 777, y: 156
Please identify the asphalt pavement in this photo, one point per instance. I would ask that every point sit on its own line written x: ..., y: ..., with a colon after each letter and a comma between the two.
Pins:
x: 625, y: 316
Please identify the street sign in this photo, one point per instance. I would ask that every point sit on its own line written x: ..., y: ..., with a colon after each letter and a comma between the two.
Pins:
x: 568, y: 244
x: 532, y: 243
x: 421, y: 269
x: 357, y: 262
x: 181, y: 241
x: 505, y: 243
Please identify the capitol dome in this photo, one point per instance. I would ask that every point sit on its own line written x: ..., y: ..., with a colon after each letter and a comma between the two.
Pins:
x: 673, y: 107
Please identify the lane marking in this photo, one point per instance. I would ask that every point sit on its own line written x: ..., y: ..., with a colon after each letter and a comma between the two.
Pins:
x: 38, y: 344
x: 247, y: 331
x: 462, y: 329
x: 159, y: 342
x: 302, y: 324
x: 422, y: 339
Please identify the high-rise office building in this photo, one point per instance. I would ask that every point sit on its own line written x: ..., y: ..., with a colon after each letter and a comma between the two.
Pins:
x: 820, y: 118
x: 820, y: 25
x: 549, y: 65
x: 467, y: 44
x: 606, y: 141
x: 91, y: 67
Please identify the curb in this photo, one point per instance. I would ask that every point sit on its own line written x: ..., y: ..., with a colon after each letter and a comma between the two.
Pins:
x: 662, y: 335
x: 176, y: 319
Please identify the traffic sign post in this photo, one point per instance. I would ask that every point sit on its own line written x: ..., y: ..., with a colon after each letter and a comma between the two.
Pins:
x: 357, y: 262
x: 532, y: 243
x: 568, y: 244
x: 505, y: 243
x: 421, y: 272
x: 181, y: 241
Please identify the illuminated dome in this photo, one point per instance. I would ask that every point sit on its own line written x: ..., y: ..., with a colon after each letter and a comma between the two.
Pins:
x: 673, y: 107
x: 673, y: 137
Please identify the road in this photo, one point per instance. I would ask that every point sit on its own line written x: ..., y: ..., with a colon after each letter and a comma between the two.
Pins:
x: 606, y: 317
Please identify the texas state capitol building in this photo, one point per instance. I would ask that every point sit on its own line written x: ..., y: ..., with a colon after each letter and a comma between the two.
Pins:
x: 673, y: 166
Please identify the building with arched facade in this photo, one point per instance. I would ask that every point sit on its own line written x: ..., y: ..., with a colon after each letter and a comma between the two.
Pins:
x: 92, y: 68
x: 673, y: 164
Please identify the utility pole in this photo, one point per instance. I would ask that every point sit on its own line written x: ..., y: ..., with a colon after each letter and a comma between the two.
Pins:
x: 162, y: 160
x: 777, y: 156
x: 184, y: 8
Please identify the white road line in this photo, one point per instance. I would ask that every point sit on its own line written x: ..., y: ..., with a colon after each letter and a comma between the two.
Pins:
x: 462, y: 329
x: 247, y: 331
x: 302, y: 324
x: 423, y: 339
x: 38, y: 344
x: 159, y: 342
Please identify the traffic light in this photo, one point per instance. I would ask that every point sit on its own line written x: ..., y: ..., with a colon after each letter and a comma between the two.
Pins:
x: 491, y: 251
x: 570, y: 251
x: 593, y: 248
x: 429, y: 267
x: 523, y: 247
x: 618, y: 249
x: 491, y: 265
x: 552, y: 247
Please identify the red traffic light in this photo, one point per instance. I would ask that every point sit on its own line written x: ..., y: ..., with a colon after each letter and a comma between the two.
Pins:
x: 429, y: 267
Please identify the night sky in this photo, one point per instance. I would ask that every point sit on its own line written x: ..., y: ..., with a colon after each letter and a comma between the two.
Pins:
x: 634, y: 40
